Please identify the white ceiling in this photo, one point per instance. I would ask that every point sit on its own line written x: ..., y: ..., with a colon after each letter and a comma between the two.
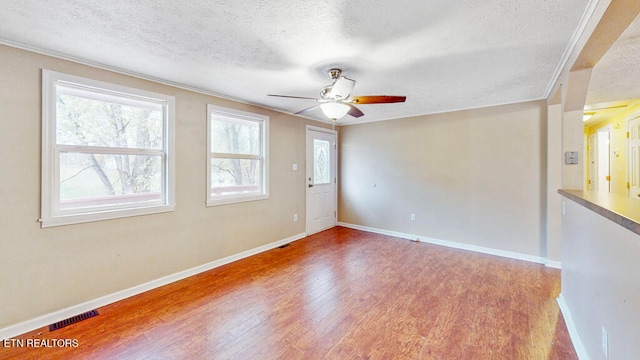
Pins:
x: 614, y: 86
x: 615, y: 79
x: 443, y: 55
x: 616, y: 76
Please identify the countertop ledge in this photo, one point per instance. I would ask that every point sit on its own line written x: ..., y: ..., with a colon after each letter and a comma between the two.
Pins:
x: 622, y: 210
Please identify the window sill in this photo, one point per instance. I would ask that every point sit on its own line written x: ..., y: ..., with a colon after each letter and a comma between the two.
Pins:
x: 236, y: 199
x: 103, y: 215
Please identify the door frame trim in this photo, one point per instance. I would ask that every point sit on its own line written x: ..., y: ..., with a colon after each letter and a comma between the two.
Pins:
x: 592, y: 166
x: 630, y: 118
x: 609, y: 131
x: 334, y: 168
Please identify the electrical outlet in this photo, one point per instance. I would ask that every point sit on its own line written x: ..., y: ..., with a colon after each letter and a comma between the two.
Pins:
x: 295, y: 217
x: 605, y: 342
x: 413, y: 217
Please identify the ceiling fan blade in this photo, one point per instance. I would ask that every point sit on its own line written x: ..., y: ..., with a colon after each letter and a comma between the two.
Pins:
x: 342, y: 88
x: 377, y: 99
x: 354, y: 111
x: 307, y: 109
x: 293, y: 97
x: 605, y: 108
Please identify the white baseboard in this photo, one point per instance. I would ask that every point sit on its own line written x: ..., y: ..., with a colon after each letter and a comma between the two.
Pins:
x: 571, y: 327
x: 378, y: 231
x: 553, y: 264
x: 452, y: 244
x: 45, y: 320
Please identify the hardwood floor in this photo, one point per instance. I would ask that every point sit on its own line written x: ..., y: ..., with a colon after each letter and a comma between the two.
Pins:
x: 339, y: 294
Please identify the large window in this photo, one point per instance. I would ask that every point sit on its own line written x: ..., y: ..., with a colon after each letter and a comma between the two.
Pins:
x: 107, y: 150
x: 237, y: 149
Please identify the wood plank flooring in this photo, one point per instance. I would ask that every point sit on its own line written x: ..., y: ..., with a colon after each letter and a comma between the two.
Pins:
x: 339, y: 294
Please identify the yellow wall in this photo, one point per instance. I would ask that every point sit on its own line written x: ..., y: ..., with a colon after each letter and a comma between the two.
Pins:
x: 45, y: 270
x: 618, y: 162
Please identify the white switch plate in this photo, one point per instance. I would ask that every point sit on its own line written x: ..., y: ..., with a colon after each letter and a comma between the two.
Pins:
x: 294, y: 167
x: 571, y: 157
x: 295, y: 217
x: 605, y: 342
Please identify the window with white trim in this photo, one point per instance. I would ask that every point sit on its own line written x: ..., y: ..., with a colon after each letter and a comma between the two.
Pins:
x: 237, y: 165
x: 107, y: 150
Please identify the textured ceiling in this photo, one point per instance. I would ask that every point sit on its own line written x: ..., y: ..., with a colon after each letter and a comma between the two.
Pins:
x: 614, y: 86
x: 443, y: 55
x: 617, y: 75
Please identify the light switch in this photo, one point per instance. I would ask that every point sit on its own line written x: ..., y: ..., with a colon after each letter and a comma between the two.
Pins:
x: 294, y: 167
x: 571, y: 157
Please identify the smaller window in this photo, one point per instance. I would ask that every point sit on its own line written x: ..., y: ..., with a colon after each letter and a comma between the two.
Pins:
x: 237, y: 166
x: 321, y: 162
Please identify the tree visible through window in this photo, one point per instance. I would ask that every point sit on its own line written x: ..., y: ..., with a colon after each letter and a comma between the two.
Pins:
x: 237, y: 156
x: 94, y: 124
x: 106, y: 150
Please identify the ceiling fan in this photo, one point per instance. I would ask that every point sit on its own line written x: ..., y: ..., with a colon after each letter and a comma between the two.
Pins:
x: 336, y: 100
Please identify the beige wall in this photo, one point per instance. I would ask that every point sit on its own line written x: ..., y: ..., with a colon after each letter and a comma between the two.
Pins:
x: 573, y: 140
x: 44, y: 270
x: 475, y: 177
x: 553, y: 214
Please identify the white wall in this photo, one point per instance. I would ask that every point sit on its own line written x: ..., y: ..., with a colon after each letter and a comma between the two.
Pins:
x: 474, y: 177
x: 600, y: 281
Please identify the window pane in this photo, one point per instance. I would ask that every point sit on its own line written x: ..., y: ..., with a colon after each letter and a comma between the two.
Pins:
x: 234, y: 136
x: 88, y: 180
x: 87, y: 121
x: 321, y: 162
x: 235, y: 176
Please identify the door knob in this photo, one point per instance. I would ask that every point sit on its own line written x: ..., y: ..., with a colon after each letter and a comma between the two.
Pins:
x: 311, y: 185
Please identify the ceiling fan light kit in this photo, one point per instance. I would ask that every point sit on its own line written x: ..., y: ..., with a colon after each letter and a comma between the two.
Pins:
x: 337, y: 101
x: 335, y: 110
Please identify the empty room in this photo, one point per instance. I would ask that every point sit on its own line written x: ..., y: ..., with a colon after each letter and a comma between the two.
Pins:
x: 320, y: 180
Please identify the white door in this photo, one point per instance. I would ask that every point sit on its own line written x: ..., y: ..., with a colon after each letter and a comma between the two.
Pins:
x: 604, y: 145
x: 321, y: 179
x: 634, y: 157
x: 593, y: 163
